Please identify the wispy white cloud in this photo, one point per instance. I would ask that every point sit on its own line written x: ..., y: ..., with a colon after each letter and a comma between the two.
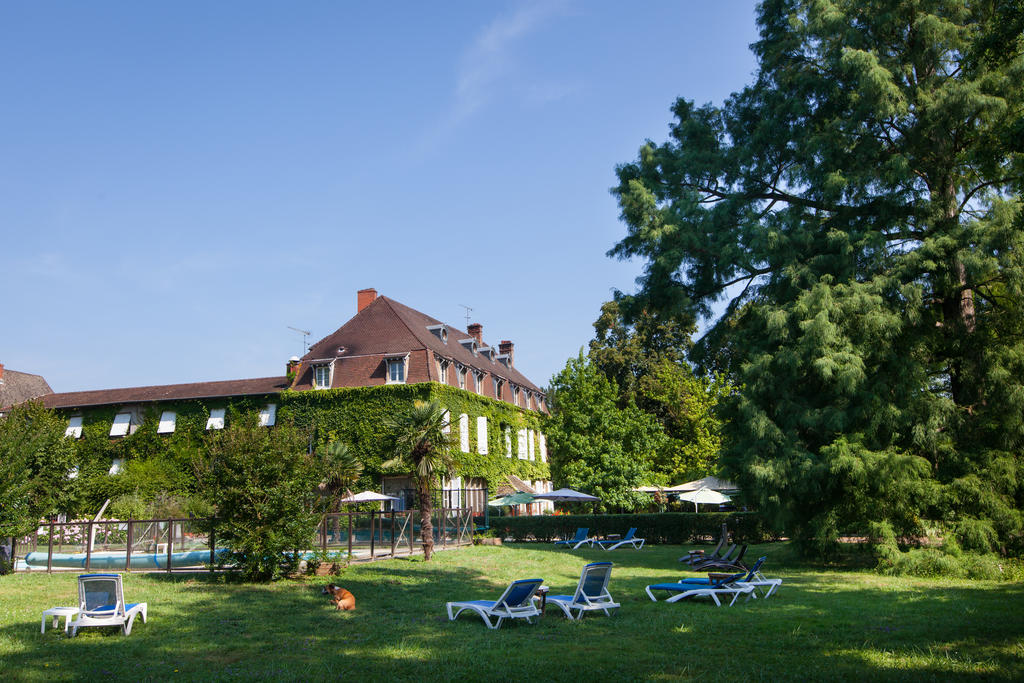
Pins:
x: 489, y: 61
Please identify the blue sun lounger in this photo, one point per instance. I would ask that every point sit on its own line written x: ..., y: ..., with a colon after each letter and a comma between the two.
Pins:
x: 694, y: 588
x: 579, y: 539
x: 591, y: 592
x: 101, y: 601
x: 515, y: 603
x: 630, y: 538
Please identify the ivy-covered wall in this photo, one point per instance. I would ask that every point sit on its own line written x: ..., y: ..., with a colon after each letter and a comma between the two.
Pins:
x: 162, y: 462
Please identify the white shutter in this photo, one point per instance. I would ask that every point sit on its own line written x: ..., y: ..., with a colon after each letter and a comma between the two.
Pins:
x: 521, y: 445
x: 216, y: 420
x: 121, y: 423
x: 167, y: 420
x: 543, y: 444
x: 530, y: 445
x: 481, y: 435
x: 74, y: 429
x: 268, y: 415
x: 447, y: 422
x: 508, y: 442
x: 464, y: 432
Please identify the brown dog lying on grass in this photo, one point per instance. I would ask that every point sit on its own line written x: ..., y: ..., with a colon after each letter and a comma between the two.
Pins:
x: 341, y: 597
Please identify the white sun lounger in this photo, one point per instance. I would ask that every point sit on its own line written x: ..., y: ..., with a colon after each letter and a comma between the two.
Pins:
x: 101, y: 601
x: 515, y: 603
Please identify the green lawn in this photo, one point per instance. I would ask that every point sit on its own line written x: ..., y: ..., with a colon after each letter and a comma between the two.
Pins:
x: 823, y: 623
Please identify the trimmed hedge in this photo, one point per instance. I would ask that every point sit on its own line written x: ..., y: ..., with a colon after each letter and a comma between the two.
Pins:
x: 660, y: 528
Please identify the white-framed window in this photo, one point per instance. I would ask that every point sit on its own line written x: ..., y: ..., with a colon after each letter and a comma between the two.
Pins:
x: 497, y: 388
x: 529, y: 401
x: 446, y: 422
x: 542, y: 444
x: 529, y: 445
x: 464, y: 432
x: 168, y: 418
x: 515, y: 396
x: 481, y: 435
x: 442, y: 369
x: 521, y: 444
x: 462, y: 376
x: 478, y: 386
x: 122, y: 423
x: 74, y: 429
x: 268, y: 415
x: 322, y: 376
x: 116, y: 465
x: 216, y: 420
x: 396, y: 370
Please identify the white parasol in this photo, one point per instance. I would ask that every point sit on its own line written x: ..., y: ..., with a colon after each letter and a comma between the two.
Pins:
x: 704, y: 496
x: 566, y: 496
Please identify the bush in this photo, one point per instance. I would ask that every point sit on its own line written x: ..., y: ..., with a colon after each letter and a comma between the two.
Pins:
x: 669, y: 527
x: 263, y: 483
x: 933, y: 562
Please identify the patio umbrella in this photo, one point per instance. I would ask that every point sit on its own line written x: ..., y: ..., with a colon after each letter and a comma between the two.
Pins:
x: 518, y: 498
x: 704, y: 496
x: 713, y: 483
x: 367, y: 497
x: 567, y: 496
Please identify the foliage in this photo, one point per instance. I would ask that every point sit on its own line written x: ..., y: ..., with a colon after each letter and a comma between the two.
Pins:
x: 859, y: 205
x: 35, y: 461
x: 340, y: 468
x: 661, y: 528
x: 646, y: 358
x: 422, y: 446
x: 263, y: 484
x: 356, y: 416
x: 595, y: 445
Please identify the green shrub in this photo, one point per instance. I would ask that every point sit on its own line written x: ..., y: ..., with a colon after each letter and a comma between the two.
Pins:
x: 935, y: 562
x: 669, y: 527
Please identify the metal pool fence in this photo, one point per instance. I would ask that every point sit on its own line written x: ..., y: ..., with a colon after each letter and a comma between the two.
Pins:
x: 189, y: 544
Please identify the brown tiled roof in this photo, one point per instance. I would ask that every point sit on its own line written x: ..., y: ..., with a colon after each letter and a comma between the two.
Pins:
x: 388, y: 327
x: 18, y: 387
x: 168, y: 392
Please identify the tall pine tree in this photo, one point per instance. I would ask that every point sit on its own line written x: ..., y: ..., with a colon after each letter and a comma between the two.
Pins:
x: 859, y: 205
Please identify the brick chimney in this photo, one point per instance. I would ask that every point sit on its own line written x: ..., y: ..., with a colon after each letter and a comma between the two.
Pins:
x: 507, y: 348
x: 365, y: 297
x: 476, y: 330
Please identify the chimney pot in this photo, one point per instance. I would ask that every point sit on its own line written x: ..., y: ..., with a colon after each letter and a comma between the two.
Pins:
x: 507, y: 348
x: 476, y: 330
x: 365, y: 297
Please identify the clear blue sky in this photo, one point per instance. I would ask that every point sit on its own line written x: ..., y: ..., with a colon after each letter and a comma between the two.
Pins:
x: 179, y: 182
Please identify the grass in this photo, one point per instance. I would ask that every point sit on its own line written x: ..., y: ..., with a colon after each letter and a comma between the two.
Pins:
x: 824, y: 623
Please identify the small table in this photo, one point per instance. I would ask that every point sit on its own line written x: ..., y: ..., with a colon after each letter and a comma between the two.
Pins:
x: 542, y: 595
x: 57, y: 613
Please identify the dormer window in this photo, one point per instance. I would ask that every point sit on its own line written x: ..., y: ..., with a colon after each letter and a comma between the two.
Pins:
x: 440, y: 331
x: 462, y: 376
x: 504, y: 360
x: 322, y: 376
x: 397, y: 369
x: 442, y: 369
x: 470, y: 344
x: 488, y: 353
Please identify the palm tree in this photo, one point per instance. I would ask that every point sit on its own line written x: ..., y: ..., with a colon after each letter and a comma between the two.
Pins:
x: 422, y: 446
x: 341, y: 469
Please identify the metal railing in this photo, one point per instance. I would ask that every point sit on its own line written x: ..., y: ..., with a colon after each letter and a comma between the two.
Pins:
x: 190, y: 544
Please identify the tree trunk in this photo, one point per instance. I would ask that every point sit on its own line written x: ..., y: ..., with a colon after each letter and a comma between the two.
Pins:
x: 426, y: 527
